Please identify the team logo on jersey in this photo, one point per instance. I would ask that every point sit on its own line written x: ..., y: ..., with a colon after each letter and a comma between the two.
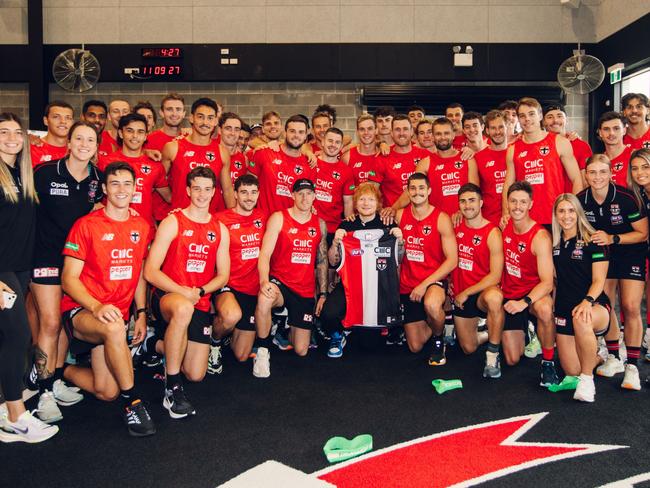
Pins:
x: 277, y: 161
x: 257, y: 223
x: 210, y: 156
x: 521, y: 247
x: 646, y: 145
x: 614, y: 209
x: 382, y: 264
x: 308, y: 317
x: 460, y: 235
x: 618, y: 166
x: 426, y: 230
x: 292, y: 230
x: 92, y: 190
x: 635, y: 269
x: 188, y: 233
x: 440, y: 167
x: 508, y: 240
x: 235, y: 226
x: 397, y: 166
x: 357, y: 165
x: 311, y: 232
x: 408, y: 227
x: 356, y: 252
x: 108, y: 237
x: 237, y: 165
x: 146, y: 169
x: 188, y: 154
x: 580, y: 244
x: 544, y: 150
x: 211, y: 236
x: 489, y: 164
x: 298, y: 170
x: 476, y: 240
x: 523, y: 154
x: 336, y: 175
x: 135, y: 236
x: 416, y: 161
x: 458, y: 164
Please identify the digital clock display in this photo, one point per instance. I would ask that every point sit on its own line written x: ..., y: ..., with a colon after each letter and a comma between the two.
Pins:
x: 156, y: 70
x: 162, y: 52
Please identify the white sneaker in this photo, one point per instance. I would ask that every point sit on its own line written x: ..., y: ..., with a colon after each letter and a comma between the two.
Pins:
x: 48, y: 411
x: 65, y: 395
x: 586, y: 390
x: 215, y: 366
x: 646, y: 339
x: 262, y: 363
x: 610, y: 367
x: 631, y: 379
x: 602, y: 350
x: 26, y: 429
x: 622, y: 350
x: 534, y: 348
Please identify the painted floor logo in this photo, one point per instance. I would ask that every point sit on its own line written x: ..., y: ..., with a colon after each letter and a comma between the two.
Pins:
x: 470, y: 455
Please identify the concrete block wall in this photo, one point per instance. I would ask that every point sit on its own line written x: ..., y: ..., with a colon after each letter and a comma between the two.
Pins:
x: 249, y: 100
x: 14, y: 97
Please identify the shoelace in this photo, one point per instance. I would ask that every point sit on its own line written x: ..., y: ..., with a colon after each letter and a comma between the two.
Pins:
x: 132, y: 417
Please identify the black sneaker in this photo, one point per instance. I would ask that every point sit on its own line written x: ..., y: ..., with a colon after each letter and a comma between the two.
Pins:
x: 177, y: 403
x: 437, y: 357
x: 549, y: 375
x: 152, y: 359
x: 138, y: 421
x: 395, y: 336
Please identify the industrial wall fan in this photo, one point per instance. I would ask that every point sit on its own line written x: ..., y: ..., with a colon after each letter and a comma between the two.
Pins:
x: 76, y: 70
x: 580, y: 73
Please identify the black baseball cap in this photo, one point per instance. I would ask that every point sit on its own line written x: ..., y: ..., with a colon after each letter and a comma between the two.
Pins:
x: 303, y: 184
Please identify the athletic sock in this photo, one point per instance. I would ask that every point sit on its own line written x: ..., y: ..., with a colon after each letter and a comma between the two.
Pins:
x: 548, y: 353
x: 491, y: 347
x: 215, y: 342
x: 173, y: 379
x: 263, y: 342
x: 58, y: 372
x: 633, y: 354
x: 437, y: 339
x: 612, y: 348
x: 128, y: 396
x: 46, y: 384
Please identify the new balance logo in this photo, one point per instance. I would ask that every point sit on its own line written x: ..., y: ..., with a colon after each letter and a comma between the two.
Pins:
x: 188, y: 154
x: 489, y: 164
x: 523, y: 154
x: 440, y: 167
x: 108, y: 237
x: 293, y: 230
x: 357, y: 165
x: 397, y: 166
x: 235, y: 226
x: 188, y: 233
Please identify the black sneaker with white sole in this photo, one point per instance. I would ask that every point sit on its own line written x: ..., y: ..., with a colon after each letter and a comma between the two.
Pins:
x: 177, y: 403
x: 137, y: 420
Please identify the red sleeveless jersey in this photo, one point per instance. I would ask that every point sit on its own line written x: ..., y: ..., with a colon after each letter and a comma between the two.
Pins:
x: 113, y: 252
x: 46, y: 152
x: 362, y: 165
x: 238, y: 165
x: 157, y: 139
x: 473, y: 256
x: 294, y: 257
x: 446, y: 175
x: 642, y: 142
x: 149, y: 175
x: 422, y: 249
x: 393, y: 171
x: 520, y: 274
x: 192, y: 256
x: 277, y: 173
x: 333, y: 181
x: 492, y: 173
x: 620, y: 166
x: 246, y: 232
x: 459, y: 142
x: 107, y: 145
x: 188, y: 157
x: 581, y: 151
x: 540, y: 165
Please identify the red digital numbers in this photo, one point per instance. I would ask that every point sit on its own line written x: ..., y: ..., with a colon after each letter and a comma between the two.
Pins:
x: 160, y: 70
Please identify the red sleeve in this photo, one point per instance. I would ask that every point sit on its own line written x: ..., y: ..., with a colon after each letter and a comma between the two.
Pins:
x: 255, y: 162
x: 348, y: 182
x: 78, y: 241
x: 378, y: 175
x: 160, y: 178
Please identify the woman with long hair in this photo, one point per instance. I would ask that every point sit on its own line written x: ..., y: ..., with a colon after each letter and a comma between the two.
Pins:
x: 18, y: 201
x: 581, y: 307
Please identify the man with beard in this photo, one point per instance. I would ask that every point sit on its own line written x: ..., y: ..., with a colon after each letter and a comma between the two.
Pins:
x: 94, y: 112
x: 454, y: 113
x: 230, y: 126
x: 635, y: 109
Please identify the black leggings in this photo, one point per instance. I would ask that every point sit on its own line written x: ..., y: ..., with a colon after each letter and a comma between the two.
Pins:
x: 15, y: 336
x: 333, y: 312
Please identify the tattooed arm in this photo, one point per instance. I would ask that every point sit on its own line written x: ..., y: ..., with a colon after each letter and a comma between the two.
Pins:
x: 321, y: 269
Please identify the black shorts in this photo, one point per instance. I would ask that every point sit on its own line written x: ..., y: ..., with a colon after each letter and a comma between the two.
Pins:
x: 199, y: 330
x: 79, y: 346
x: 629, y: 266
x: 518, y: 321
x: 247, y: 304
x: 301, y: 309
x: 47, y: 274
x: 564, y: 319
x: 470, y: 308
x: 414, y: 311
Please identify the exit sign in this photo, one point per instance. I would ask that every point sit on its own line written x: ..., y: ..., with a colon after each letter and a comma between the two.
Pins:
x: 615, y: 73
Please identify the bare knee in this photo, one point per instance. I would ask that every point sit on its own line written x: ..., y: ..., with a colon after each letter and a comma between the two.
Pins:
x: 544, y: 312
x: 50, y: 326
x: 468, y: 348
x: 301, y: 350
x: 230, y: 317
x: 493, y: 299
x: 107, y: 393
x: 194, y: 376
x: 630, y: 309
x: 114, y: 331
x: 183, y: 312
x: 511, y: 359
x: 241, y: 356
x: 415, y: 346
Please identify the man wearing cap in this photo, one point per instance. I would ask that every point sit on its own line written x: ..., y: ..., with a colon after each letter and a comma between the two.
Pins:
x: 293, y: 245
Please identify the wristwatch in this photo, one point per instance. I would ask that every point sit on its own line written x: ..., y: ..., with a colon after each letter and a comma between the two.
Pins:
x: 201, y: 291
x: 590, y: 299
x: 528, y: 300
x: 616, y: 239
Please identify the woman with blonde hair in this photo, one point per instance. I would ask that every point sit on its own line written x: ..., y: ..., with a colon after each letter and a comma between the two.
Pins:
x: 17, y: 232
x: 581, y: 307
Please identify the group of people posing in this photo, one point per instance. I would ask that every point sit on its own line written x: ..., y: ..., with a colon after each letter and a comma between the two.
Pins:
x: 122, y: 245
